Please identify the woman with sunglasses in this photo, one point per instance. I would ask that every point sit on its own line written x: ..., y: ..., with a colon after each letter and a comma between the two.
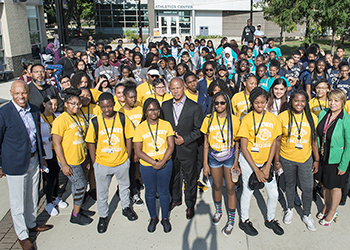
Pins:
x: 220, y: 128
x: 154, y: 144
x: 68, y: 135
x: 258, y: 133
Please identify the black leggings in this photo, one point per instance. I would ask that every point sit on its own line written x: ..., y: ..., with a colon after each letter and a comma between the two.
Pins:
x: 51, y: 179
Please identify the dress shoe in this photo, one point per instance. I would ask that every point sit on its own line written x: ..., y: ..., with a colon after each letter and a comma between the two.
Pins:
x: 26, y: 244
x: 189, y: 213
x: 102, y: 225
x: 40, y: 228
x: 130, y: 214
x: 172, y: 205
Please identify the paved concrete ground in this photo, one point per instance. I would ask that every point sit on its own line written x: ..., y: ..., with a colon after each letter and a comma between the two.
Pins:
x: 195, y: 234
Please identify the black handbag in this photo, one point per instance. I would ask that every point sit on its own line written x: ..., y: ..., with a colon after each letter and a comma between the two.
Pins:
x: 254, y: 183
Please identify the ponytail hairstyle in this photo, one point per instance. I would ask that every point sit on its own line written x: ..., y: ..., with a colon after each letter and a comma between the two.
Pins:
x: 306, y: 110
x: 284, y: 99
x: 255, y: 93
x: 145, y: 106
x: 229, y: 113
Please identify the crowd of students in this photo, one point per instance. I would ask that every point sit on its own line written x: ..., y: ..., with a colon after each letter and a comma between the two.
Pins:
x: 157, y: 116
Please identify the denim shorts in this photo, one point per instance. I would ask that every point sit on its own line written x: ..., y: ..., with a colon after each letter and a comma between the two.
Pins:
x: 213, y: 163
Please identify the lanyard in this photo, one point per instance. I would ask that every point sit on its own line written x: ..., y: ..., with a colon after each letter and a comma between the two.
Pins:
x: 149, y: 88
x: 301, y: 123
x: 109, y: 136
x: 246, y: 101
x: 88, y: 115
x: 319, y: 104
x: 47, y: 120
x: 327, y: 125
x: 105, y: 68
x: 154, y: 138
x: 256, y: 132
x: 80, y: 127
x: 221, y: 130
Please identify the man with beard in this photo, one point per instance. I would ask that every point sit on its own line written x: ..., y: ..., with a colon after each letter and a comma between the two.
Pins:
x: 39, y: 89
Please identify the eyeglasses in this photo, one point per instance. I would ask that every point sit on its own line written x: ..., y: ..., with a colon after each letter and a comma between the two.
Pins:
x: 211, y: 69
x: 322, y: 88
x: 79, y: 105
x: 152, y: 110
x: 153, y: 76
x: 38, y: 71
x: 221, y: 103
x: 64, y: 82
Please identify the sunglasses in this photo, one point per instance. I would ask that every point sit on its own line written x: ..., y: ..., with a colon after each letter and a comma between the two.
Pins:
x: 209, y: 69
x: 221, y: 103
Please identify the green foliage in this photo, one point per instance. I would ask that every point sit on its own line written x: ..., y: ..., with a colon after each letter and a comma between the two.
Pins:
x: 208, y: 37
x: 131, y: 34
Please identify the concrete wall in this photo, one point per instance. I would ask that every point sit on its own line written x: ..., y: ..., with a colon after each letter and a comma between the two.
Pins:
x: 234, y: 21
x: 212, y: 19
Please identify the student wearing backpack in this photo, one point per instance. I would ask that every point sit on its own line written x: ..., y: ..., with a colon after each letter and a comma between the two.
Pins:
x: 110, y: 144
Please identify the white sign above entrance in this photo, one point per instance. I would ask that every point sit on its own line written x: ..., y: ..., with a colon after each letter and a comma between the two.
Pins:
x: 173, y: 7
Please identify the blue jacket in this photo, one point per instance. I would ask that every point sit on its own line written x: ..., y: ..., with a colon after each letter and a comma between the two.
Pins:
x: 202, y: 85
x: 205, y: 102
x: 15, y: 144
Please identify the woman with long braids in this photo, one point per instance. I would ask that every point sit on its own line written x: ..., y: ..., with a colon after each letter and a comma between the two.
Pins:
x: 136, y: 66
x: 220, y: 128
x: 242, y: 68
x: 297, y: 154
x: 333, y: 131
x: 258, y: 133
x: 154, y: 145
x: 278, y: 97
x: 68, y: 135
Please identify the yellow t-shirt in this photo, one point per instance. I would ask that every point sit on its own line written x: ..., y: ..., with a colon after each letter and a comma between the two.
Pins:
x: 208, y: 82
x: 48, y: 119
x: 215, y: 139
x: 240, y: 104
x: 86, y: 113
x: 116, y: 153
x: 135, y: 115
x: 191, y: 96
x: 314, y: 104
x: 347, y: 107
x: 142, y: 134
x: 164, y: 98
x: 144, y: 91
x: 95, y: 94
x: 269, y: 130
x: 72, y: 139
x: 288, y: 149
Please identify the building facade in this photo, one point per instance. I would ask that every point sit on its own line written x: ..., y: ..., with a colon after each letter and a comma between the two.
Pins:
x: 181, y: 17
x: 22, y: 32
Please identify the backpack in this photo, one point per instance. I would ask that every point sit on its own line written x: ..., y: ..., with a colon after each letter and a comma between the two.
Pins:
x: 95, y: 124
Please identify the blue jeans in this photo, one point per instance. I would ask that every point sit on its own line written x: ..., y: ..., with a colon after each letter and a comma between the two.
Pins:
x: 157, y: 180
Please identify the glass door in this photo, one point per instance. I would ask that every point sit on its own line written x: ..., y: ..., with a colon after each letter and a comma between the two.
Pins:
x: 169, y: 25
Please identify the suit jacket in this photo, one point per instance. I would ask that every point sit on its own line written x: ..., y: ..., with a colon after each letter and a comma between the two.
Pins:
x: 202, y: 85
x: 15, y: 144
x: 205, y: 102
x: 190, y: 122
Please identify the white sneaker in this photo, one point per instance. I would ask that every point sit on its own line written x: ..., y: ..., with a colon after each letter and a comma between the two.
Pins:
x: 51, y: 210
x: 288, y: 216
x: 60, y: 203
x: 309, y: 222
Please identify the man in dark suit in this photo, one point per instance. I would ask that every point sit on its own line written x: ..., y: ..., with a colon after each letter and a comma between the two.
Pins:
x: 21, y: 157
x: 186, y: 117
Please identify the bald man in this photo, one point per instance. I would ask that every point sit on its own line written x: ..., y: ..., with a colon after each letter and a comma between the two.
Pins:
x: 21, y: 158
x: 185, y: 116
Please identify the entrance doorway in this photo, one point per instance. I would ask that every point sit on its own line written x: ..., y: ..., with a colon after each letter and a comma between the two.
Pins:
x: 169, y: 25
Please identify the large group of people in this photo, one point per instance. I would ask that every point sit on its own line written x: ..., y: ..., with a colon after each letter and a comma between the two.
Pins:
x: 176, y: 118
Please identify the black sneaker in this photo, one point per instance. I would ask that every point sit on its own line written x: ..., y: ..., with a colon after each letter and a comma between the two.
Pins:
x: 102, y: 225
x: 81, y: 219
x: 137, y: 200
x: 166, y: 225
x: 130, y: 214
x: 152, y: 225
x: 274, y: 225
x: 87, y: 213
x: 247, y: 227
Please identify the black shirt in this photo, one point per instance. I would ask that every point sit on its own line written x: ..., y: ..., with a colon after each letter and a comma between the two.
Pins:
x: 36, y: 96
x: 248, y: 33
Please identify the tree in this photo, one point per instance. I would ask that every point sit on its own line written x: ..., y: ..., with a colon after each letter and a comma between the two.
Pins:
x: 78, y: 9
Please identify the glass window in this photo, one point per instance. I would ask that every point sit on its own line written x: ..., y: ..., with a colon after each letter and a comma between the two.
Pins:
x: 105, y: 12
x: 117, y: 7
x: 2, y: 57
x: 33, y: 24
x: 31, y: 12
x: 34, y: 37
x: 130, y: 13
x: 106, y: 18
x: 36, y: 48
x: 106, y: 24
x: 130, y: 18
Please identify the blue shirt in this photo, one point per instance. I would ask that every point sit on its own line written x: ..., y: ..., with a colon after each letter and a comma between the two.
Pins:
x: 277, y: 50
x: 344, y: 85
x: 272, y: 79
x: 29, y: 123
